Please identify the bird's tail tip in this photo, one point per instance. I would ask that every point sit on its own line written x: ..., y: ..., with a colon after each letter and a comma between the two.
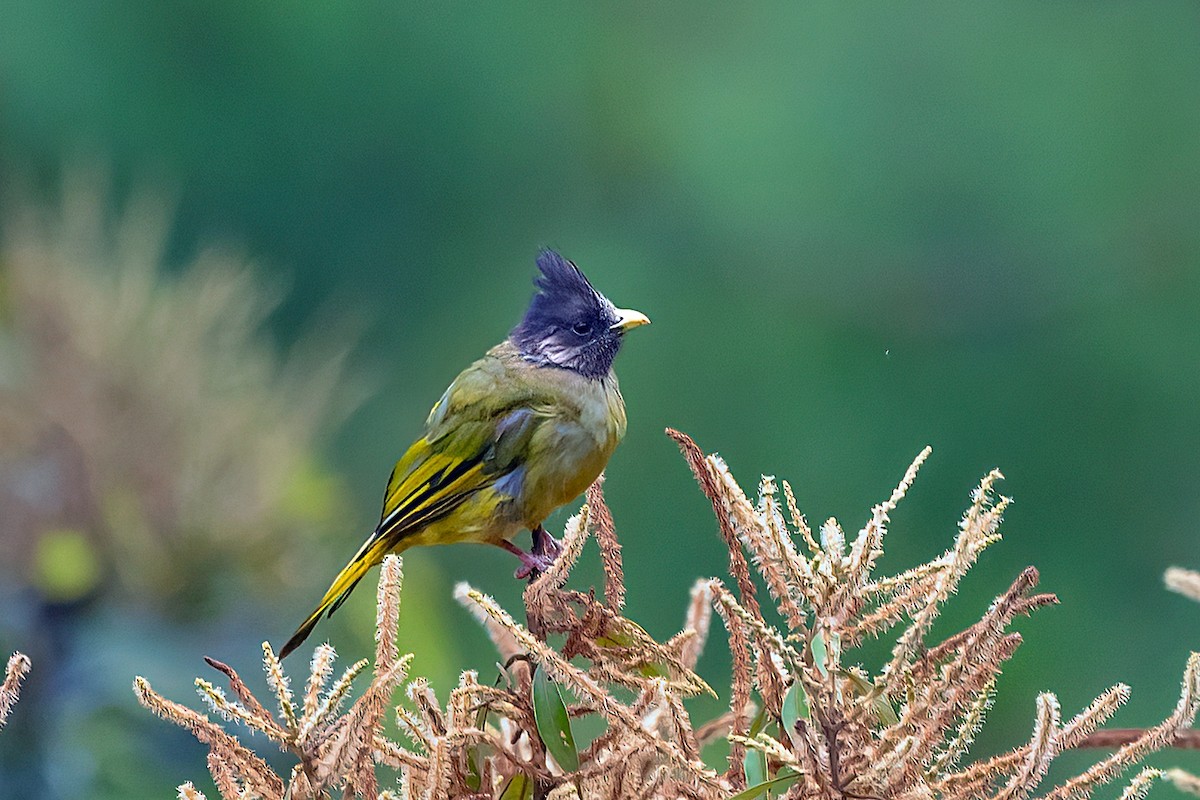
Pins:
x: 299, y: 636
x: 343, y: 584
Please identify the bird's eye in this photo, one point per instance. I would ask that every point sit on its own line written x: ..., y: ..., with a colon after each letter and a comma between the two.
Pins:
x: 582, y: 328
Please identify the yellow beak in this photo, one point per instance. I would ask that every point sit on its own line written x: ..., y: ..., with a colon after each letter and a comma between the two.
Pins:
x: 628, y: 318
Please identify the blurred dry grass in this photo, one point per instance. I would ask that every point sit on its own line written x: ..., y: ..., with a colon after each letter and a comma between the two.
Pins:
x: 14, y: 672
x: 150, y: 431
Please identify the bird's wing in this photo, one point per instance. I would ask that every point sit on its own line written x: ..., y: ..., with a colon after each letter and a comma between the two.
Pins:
x: 477, y: 433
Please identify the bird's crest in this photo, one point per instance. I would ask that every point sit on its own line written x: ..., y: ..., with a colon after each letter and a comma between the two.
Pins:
x: 565, y: 302
x: 560, y: 280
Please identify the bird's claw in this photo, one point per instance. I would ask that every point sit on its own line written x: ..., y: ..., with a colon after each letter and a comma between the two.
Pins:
x: 545, y: 549
x: 532, y: 565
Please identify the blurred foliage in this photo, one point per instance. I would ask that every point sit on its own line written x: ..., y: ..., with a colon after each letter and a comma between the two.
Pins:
x: 858, y: 229
x: 65, y: 566
x: 160, y: 461
x: 149, y: 412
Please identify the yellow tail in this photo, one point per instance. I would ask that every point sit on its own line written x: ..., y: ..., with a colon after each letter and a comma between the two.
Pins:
x: 341, y: 588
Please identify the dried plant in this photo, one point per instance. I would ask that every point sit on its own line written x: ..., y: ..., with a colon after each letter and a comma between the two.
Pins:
x: 1184, y: 581
x: 333, y: 749
x: 1184, y: 781
x: 649, y: 747
x: 1187, y: 583
x: 147, y: 407
x: 14, y: 672
x: 805, y: 720
x: 836, y: 731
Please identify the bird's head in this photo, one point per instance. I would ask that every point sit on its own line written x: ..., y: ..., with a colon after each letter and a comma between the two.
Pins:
x: 569, y: 324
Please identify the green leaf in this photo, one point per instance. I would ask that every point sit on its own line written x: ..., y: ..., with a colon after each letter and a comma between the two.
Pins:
x: 755, y: 764
x: 474, y: 779
x: 781, y: 781
x: 820, y: 654
x: 879, y: 705
x: 862, y: 686
x: 759, y: 722
x: 519, y: 787
x: 654, y: 669
x: 553, y: 722
x: 630, y: 635
x: 795, y: 708
x: 626, y: 634
x: 883, y: 709
x: 476, y: 755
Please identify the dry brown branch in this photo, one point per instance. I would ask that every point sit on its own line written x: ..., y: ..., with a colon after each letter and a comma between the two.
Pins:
x: 695, y: 624
x: 804, y: 711
x: 789, y: 574
x: 232, y: 764
x: 610, y: 548
x: 856, y: 743
x: 738, y: 567
x: 14, y: 672
x: 739, y: 703
x: 1112, y: 738
x: 332, y: 750
x: 1156, y: 738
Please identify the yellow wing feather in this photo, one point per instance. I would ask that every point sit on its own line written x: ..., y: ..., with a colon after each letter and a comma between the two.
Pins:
x: 425, y: 487
x: 481, y: 436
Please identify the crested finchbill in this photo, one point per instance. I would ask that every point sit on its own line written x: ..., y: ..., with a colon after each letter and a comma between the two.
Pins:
x: 520, y: 432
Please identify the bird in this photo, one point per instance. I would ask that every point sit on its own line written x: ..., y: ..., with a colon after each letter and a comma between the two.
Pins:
x: 519, y: 433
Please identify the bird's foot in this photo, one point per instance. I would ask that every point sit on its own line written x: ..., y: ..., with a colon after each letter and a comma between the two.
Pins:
x: 544, y: 544
x: 532, y: 564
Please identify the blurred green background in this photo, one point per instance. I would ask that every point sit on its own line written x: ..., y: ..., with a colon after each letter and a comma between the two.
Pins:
x: 858, y: 229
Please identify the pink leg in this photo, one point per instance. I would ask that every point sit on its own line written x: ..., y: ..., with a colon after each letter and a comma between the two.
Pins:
x: 532, y: 564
